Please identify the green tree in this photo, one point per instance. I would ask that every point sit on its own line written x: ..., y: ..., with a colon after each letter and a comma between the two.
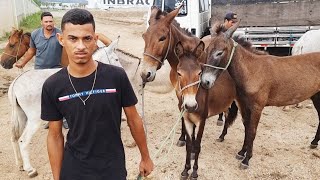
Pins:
x: 38, y: 2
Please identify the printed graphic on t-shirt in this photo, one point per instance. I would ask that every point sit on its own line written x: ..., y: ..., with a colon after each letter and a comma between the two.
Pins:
x: 87, y: 93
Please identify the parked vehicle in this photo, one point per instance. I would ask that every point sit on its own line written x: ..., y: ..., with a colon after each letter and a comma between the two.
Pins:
x: 272, y: 25
x: 194, y: 15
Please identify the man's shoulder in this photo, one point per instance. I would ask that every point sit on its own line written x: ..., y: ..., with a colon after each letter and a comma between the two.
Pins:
x: 111, y: 68
x: 36, y: 32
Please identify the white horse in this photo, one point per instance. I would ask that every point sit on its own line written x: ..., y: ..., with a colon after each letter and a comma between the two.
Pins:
x: 25, y: 98
x: 308, y: 42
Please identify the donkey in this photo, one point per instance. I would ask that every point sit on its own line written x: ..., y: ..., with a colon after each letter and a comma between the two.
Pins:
x: 160, y: 39
x: 262, y: 80
x: 18, y: 44
x: 193, y: 99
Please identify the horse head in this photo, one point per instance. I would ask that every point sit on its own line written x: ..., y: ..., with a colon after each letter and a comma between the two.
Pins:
x: 189, y: 73
x: 219, y: 54
x: 157, y: 40
x: 107, y: 54
x: 18, y: 44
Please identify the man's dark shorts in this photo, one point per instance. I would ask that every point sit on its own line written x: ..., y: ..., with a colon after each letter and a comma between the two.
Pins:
x: 89, y: 169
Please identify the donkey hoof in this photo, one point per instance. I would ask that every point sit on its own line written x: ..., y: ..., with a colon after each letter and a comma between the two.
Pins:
x: 244, y: 166
x: 220, y: 123
x: 313, y: 146
x: 183, y: 177
x: 220, y: 139
x: 32, y: 173
x: 181, y: 143
x: 193, y: 178
x: 240, y: 157
x: 21, y: 168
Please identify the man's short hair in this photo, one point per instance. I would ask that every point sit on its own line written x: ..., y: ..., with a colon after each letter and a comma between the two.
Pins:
x: 231, y: 16
x: 43, y: 14
x: 78, y: 17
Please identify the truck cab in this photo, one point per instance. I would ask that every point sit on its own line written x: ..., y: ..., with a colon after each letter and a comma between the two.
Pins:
x: 194, y: 15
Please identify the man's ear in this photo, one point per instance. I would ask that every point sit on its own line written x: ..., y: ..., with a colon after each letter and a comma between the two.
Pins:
x: 60, y: 38
x: 96, y: 38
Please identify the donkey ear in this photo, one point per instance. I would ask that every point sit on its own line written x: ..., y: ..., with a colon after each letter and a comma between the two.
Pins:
x: 173, y: 14
x: 154, y: 7
x: 232, y: 29
x: 178, y: 49
x: 21, y: 31
x: 199, y: 49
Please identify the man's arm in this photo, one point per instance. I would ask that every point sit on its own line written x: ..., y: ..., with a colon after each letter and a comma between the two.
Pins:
x: 104, y: 39
x: 27, y: 57
x: 137, y: 131
x: 55, y: 145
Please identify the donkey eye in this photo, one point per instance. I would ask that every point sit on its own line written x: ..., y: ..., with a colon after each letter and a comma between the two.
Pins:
x: 219, y: 53
x: 179, y: 74
x: 162, y: 38
x: 11, y: 45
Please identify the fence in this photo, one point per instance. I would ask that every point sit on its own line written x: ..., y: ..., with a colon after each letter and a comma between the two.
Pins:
x: 13, y: 11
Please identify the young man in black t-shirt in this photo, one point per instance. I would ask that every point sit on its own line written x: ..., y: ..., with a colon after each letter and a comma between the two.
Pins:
x: 90, y: 95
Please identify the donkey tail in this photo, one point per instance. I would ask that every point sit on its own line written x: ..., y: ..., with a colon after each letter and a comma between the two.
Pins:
x: 232, y: 115
x: 18, y: 116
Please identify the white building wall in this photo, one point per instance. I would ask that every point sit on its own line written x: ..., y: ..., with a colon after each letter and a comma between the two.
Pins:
x: 13, y: 11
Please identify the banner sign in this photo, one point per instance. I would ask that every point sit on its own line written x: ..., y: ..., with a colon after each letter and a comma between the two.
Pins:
x: 126, y: 2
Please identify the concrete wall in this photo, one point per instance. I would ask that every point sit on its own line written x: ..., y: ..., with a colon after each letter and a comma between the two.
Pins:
x: 13, y: 11
x: 271, y: 14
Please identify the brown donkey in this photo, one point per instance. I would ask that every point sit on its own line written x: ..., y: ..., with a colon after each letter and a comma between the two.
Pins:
x: 193, y: 99
x: 160, y: 39
x: 18, y: 44
x: 262, y: 80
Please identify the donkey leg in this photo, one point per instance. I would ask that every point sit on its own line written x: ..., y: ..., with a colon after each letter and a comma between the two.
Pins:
x: 232, y: 115
x: 251, y: 130
x: 193, y: 143
x: 187, y: 167
x: 220, y: 120
x: 31, y: 127
x: 245, y: 120
x: 197, y: 147
x: 182, y: 139
x: 316, y: 102
x: 18, y: 120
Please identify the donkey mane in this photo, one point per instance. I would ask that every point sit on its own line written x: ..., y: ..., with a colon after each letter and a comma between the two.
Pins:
x: 27, y: 34
x: 174, y: 23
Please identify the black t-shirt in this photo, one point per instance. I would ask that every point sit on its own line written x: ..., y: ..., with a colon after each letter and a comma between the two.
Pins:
x: 94, y: 128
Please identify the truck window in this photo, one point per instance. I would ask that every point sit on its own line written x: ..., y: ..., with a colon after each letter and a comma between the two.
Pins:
x: 170, y: 5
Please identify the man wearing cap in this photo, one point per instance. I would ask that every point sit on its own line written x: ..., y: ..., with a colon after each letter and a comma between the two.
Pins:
x: 230, y: 19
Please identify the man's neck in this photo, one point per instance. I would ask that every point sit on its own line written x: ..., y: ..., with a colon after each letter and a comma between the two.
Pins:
x: 82, y: 70
x: 47, y: 33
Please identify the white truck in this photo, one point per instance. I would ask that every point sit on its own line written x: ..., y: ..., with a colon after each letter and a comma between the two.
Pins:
x: 194, y: 14
x: 272, y: 25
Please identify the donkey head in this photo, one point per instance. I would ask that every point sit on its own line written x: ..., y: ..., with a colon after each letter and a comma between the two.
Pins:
x: 17, y: 46
x: 219, y: 54
x: 157, y: 42
x: 189, y: 73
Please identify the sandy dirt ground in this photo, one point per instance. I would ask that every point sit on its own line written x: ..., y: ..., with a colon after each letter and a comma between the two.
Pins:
x: 281, y: 148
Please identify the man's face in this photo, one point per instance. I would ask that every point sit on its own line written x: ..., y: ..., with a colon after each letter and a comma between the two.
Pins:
x: 47, y: 23
x: 79, y: 42
x: 228, y: 23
